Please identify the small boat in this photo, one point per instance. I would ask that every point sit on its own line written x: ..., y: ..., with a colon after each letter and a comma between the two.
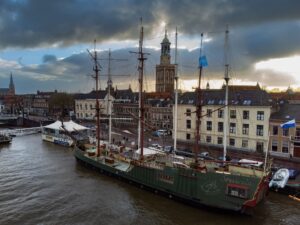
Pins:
x: 4, y: 139
x: 279, y: 179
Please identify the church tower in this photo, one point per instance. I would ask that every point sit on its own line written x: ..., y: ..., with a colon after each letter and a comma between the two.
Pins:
x: 165, y: 71
x: 11, y: 89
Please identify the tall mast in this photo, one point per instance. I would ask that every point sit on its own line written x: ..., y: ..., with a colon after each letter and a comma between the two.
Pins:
x: 198, y: 105
x: 96, y: 68
x: 141, y: 59
x: 226, y: 78
x: 176, y: 95
x: 109, y: 84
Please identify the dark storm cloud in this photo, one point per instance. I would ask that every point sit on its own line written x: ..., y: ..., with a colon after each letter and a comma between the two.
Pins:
x: 259, y: 30
x: 75, y: 71
x: 33, y: 23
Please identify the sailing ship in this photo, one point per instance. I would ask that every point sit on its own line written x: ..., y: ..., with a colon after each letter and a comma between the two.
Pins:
x: 224, y: 185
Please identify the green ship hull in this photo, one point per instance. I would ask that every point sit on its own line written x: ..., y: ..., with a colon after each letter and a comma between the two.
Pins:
x: 229, y: 191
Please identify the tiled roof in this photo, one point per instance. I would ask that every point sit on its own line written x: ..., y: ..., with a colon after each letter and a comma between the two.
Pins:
x: 127, y: 95
x: 159, y: 102
x: 287, y: 112
x: 238, y: 97
x: 91, y: 95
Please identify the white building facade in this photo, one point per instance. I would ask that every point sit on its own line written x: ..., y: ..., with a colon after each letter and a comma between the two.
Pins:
x: 85, y: 105
x: 248, y: 123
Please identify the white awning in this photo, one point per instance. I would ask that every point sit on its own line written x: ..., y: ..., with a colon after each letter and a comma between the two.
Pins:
x: 148, y: 151
x: 69, y: 126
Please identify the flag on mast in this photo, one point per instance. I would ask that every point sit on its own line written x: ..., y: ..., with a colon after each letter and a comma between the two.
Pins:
x: 288, y: 124
x: 203, y: 61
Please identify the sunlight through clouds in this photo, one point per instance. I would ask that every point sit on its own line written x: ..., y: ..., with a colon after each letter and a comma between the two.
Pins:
x: 288, y: 65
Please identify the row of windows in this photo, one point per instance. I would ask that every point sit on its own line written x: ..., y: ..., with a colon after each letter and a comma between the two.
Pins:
x: 79, y: 106
x: 284, y: 146
x: 232, y: 128
x: 232, y: 113
x: 285, y: 132
x: 86, y: 115
x: 232, y: 142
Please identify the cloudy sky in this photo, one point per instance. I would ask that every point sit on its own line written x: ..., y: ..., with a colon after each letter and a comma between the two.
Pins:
x: 44, y: 43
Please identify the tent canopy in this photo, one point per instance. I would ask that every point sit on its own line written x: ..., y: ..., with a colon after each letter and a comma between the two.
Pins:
x: 148, y: 151
x: 69, y: 126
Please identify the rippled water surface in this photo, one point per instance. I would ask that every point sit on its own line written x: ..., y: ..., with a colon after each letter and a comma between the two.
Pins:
x: 41, y: 183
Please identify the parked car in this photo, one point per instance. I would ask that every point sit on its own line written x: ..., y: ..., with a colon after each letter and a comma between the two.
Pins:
x: 168, y: 149
x: 159, y: 133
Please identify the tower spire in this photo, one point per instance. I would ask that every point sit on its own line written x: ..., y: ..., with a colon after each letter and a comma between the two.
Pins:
x: 11, y: 85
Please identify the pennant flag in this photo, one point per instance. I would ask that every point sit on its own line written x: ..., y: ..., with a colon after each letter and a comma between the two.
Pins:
x: 203, y: 61
x: 288, y: 124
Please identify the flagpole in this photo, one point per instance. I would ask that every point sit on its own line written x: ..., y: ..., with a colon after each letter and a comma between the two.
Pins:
x: 267, y: 150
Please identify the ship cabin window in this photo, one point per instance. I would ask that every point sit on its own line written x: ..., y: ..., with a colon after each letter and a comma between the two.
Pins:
x: 237, y: 190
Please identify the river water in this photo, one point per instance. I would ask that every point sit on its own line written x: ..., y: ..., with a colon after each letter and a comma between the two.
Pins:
x: 41, y: 183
